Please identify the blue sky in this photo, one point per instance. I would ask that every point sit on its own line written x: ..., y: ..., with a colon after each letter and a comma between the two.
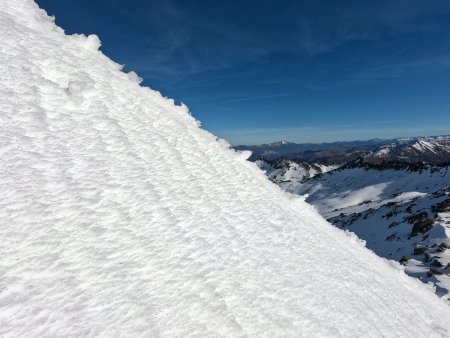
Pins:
x: 303, y: 71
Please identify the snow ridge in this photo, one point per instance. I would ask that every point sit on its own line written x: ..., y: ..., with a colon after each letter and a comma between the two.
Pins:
x: 120, y: 216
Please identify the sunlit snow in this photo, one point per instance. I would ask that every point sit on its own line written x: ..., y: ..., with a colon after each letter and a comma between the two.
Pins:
x: 119, y: 216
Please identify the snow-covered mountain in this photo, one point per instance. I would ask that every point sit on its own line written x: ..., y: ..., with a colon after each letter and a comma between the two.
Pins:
x: 290, y: 150
x: 429, y: 150
x: 285, y: 172
x: 433, y: 150
x: 119, y: 216
x: 401, y: 211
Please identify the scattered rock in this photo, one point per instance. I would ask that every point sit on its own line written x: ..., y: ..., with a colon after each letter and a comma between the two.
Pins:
x: 420, y: 250
x: 422, y: 226
x: 444, y: 246
x: 416, y: 217
x: 390, y: 214
x: 404, y: 259
x: 436, y: 272
x: 393, y: 224
x: 442, y: 206
x: 392, y: 237
x: 437, y: 264
x: 432, y: 272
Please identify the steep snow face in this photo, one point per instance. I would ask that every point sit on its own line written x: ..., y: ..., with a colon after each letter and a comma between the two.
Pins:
x: 119, y: 216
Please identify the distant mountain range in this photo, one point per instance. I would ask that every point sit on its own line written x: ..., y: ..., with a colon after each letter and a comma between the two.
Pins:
x: 394, y: 194
x: 432, y: 150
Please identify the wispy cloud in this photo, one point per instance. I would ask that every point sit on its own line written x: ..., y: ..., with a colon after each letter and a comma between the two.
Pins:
x: 188, y: 42
x: 398, y: 69
x: 261, y: 97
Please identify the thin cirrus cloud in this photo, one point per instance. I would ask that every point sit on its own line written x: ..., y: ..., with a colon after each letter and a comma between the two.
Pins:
x: 193, y: 41
x: 253, y: 98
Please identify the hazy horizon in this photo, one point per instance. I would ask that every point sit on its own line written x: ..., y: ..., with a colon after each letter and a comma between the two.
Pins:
x: 344, y: 139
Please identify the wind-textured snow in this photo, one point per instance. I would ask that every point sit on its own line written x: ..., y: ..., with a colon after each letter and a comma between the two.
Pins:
x: 120, y: 217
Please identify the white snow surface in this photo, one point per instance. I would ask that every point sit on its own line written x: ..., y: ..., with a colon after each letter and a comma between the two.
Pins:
x: 119, y: 216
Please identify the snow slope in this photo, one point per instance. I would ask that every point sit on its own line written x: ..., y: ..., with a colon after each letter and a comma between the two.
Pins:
x: 120, y: 217
x: 382, y: 206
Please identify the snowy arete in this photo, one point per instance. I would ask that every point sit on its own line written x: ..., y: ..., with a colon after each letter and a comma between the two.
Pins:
x: 119, y: 216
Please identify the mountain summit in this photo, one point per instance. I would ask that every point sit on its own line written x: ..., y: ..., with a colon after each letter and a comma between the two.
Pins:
x: 120, y: 216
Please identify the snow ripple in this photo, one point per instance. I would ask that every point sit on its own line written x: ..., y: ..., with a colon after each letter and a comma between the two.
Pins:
x: 120, y: 217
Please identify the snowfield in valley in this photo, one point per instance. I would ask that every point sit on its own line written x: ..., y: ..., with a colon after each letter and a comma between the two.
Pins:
x: 402, y: 214
x: 119, y: 216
